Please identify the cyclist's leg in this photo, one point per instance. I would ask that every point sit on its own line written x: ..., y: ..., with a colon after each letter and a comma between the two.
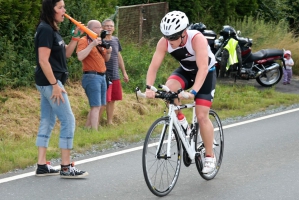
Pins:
x: 179, y: 79
x: 203, y: 101
x: 218, y: 146
x: 206, y: 128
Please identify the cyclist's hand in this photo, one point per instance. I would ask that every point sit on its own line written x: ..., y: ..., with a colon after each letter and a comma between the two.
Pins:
x: 186, y: 95
x: 150, y: 94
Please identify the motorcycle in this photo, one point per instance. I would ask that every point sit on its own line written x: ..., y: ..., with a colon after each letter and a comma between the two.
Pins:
x: 262, y: 65
x: 210, y: 35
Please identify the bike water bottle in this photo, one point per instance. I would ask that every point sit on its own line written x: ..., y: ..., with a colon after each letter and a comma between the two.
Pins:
x: 183, y: 121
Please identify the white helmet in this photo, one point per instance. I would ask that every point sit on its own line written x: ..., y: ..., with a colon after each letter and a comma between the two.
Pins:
x: 174, y: 22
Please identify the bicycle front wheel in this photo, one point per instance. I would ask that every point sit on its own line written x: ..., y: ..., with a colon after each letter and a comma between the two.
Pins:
x: 218, y: 147
x: 160, y: 171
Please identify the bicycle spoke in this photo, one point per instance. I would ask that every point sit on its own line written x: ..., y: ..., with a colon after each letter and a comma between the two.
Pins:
x: 160, y: 171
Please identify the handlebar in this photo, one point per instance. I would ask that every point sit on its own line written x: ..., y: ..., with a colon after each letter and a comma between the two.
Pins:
x: 165, y: 93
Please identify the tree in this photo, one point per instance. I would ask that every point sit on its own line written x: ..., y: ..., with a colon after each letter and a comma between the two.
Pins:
x: 18, y: 23
x: 291, y: 14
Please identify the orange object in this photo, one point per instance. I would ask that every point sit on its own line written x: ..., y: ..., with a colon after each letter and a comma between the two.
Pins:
x: 89, y: 32
x: 75, y: 39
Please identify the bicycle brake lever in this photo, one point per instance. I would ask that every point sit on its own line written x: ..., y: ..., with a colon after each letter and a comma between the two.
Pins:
x: 151, y: 88
x: 136, y: 89
x: 139, y: 93
x: 164, y: 87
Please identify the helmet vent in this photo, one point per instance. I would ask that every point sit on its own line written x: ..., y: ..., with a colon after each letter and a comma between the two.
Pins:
x: 174, y: 22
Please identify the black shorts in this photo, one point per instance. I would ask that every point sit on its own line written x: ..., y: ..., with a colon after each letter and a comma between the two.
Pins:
x: 206, y: 93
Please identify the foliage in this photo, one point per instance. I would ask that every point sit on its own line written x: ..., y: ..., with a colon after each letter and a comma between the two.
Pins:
x: 17, y: 17
x: 19, y: 20
x: 134, y: 2
x: 276, y: 10
x: 16, y: 46
x: 265, y: 35
x: 191, y: 8
x: 16, y: 67
x: 211, y: 13
x: 137, y: 59
x: 290, y: 10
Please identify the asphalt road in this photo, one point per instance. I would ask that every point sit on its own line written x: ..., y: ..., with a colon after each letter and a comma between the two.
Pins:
x: 260, y: 161
x: 290, y: 88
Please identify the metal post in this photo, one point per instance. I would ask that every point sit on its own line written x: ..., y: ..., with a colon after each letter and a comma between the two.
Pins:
x: 140, y: 24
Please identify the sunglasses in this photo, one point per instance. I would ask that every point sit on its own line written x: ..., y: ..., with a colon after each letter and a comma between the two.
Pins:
x: 172, y: 37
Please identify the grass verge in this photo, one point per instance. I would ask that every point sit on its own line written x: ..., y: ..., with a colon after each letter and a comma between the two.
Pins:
x: 20, y: 110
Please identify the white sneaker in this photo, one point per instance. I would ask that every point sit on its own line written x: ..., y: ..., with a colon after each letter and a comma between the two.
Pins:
x: 209, y: 165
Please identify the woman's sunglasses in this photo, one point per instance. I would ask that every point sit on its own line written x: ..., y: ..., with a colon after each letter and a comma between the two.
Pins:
x: 172, y: 37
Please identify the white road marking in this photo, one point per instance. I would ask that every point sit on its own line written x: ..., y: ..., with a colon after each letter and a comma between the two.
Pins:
x: 140, y: 147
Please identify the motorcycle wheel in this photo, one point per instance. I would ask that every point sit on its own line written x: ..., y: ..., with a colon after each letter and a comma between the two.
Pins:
x: 270, y: 78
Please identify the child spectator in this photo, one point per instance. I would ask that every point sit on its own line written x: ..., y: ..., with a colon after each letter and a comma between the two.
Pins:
x: 288, y: 72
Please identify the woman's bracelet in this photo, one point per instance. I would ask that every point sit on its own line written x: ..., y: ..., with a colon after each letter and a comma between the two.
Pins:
x: 73, y: 31
x: 75, y: 39
x: 54, y: 83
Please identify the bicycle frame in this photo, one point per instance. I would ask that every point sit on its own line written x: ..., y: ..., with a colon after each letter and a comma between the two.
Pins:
x: 190, y: 148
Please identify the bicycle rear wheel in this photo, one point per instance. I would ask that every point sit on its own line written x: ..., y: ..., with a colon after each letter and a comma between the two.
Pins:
x: 218, y: 147
x: 161, y: 172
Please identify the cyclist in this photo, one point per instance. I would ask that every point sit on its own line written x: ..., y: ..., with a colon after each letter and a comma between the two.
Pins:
x: 196, y: 71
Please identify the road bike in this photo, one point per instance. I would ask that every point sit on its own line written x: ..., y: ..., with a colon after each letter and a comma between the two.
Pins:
x: 166, y: 141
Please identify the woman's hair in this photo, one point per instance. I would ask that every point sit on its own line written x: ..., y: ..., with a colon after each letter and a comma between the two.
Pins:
x: 48, y: 13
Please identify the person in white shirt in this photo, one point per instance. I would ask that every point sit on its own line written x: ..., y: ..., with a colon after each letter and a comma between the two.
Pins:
x: 288, y: 72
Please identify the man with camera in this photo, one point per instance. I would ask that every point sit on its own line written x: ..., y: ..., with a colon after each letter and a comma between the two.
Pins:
x: 93, y: 54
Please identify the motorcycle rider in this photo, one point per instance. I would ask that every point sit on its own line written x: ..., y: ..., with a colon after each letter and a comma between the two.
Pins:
x: 196, y: 71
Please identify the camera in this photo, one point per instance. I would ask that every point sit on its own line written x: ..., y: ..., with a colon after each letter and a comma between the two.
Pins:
x: 104, y: 44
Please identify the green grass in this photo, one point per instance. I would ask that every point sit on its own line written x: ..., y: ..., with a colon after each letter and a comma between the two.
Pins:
x: 132, y: 118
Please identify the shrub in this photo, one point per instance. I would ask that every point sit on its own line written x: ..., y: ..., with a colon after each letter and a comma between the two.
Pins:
x: 17, y: 28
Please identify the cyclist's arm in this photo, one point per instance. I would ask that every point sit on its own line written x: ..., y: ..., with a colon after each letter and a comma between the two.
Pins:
x: 199, y: 44
x: 157, y: 59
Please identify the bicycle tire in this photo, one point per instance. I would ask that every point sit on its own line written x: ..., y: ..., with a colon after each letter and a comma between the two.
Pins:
x: 161, y: 173
x: 218, y: 147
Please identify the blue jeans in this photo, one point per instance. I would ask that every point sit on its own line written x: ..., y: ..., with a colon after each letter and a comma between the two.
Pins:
x: 49, y: 111
x: 95, y: 88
